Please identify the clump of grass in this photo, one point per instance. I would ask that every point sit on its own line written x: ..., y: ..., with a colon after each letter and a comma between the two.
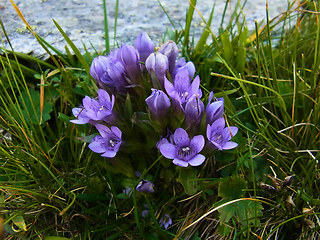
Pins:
x: 52, y: 185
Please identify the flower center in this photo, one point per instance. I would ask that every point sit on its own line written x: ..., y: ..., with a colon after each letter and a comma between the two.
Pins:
x: 185, y: 153
x: 113, y: 142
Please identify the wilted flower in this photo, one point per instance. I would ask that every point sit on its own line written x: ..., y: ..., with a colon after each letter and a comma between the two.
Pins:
x: 193, y: 111
x: 145, y: 186
x: 158, y: 103
x: 214, y: 110
x: 220, y: 136
x: 108, y: 142
x: 99, y: 109
x: 170, y: 50
x: 144, y: 45
x: 182, y: 89
x: 181, y: 63
x: 129, y: 57
x: 157, y: 65
x: 165, y: 221
x: 184, y: 151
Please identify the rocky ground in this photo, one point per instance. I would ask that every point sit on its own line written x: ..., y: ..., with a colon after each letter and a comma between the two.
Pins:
x: 83, y: 20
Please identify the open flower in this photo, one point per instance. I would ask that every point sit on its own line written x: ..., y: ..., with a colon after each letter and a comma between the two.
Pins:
x: 183, y: 151
x: 108, y: 142
x: 182, y: 88
x: 80, y: 114
x: 165, y: 221
x: 158, y: 103
x: 219, y: 135
x: 101, y: 108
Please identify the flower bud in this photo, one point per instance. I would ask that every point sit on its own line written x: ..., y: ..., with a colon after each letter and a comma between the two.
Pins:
x: 214, y: 110
x: 181, y: 63
x: 98, y: 67
x: 158, y: 103
x: 144, y: 45
x: 145, y: 186
x: 157, y: 66
x: 193, y: 111
x: 170, y: 50
x: 129, y: 56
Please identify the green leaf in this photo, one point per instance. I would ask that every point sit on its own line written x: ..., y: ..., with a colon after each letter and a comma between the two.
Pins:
x: 231, y: 188
x: 227, y: 46
x: 20, y: 223
x: 188, y: 179
x: 31, y: 107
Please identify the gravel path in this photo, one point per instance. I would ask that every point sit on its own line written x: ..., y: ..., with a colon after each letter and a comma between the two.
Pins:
x: 82, y: 20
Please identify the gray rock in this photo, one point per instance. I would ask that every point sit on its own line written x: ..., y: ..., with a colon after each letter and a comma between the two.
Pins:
x: 83, y: 20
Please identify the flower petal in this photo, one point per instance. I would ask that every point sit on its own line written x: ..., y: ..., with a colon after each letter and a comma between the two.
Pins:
x: 180, y: 163
x: 229, y: 145
x: 197, y: 143
x: 96, y: 145
x: 181, y: 137
x: 168, y: 150
x: 109, y: 154
x: 197, y: 160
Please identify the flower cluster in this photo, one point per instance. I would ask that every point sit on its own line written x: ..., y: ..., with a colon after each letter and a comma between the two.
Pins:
x: 172, y: 96
x: 149, y: 102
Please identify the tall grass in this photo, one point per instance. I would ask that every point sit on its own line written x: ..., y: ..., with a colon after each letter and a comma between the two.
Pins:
x: 53, y: 187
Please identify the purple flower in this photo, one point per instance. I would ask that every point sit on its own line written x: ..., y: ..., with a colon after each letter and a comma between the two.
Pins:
x: 214, y: 110
x: 80, y: 114
x: 99, y: 67
x: 145, y: 186
x: 157, y: 66
x: 109, y: 71
x: 170, y: 50
x: 99, y: 109
x: 182, y: 89
x: 158, y: 103
x: 193, y: 111
x: 181, y: 63
x: 183, y: 150
x: 219, y: 135
x: 108, y: 142
x: 144, y: 45
x: 165, y: 221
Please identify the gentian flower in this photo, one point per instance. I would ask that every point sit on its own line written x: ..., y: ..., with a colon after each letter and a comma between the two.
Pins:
x: 219, y: 135
x: 158, y: 103
x: 193, y: 111
x: 145, y: 186
x: 129, y: 57
x: 98, y: 68
x: 99, y: 109
x: 182, y: 89
x: 109, y: 71
x: 108, y: 142
x: 80, y: 114
x: 214, y: 110
x: 166, y: 221
x: 181, y: 63
x: 144, y: 45
x: 157, y: 66
x: 170, y: 50
x: 184, y: 151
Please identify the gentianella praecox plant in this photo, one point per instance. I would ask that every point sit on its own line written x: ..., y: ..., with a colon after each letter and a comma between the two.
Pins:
x: 150, y: 118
